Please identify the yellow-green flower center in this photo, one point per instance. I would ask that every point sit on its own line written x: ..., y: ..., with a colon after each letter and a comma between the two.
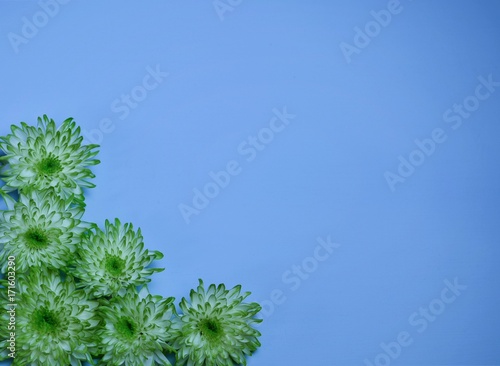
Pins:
x: 45, y: 321
x: 211, y: 329
x: 36, y: 238
x: 114, y: 265
x: 126, y: 328
x: 49, y: 165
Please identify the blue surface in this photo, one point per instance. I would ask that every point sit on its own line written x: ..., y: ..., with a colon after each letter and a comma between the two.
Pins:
x: 400, y: 246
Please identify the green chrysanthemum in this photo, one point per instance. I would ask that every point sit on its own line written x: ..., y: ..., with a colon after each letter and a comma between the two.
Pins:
x: 137, y: 329
x: 216, y: 328
x: 55, y: 323
x: 40, y: 230
x: 109, y: 261
x: 44, y: 156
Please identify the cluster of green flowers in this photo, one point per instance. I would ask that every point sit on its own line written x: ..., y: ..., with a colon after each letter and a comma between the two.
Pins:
x: 81, y: 291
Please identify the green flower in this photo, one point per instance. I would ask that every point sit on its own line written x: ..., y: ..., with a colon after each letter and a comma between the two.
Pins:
x: 216, y: 328
x: 55, y: 323
x: 44, y: 156
x: 109, y: 261
x: 40, y: 230
x: 136, y: 329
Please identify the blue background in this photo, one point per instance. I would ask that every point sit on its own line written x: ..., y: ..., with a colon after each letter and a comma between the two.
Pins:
x: 323, y: 175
